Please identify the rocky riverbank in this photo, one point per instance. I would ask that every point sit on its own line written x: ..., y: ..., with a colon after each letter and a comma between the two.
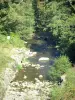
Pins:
x: 24, y: 89
x: 28, y: 91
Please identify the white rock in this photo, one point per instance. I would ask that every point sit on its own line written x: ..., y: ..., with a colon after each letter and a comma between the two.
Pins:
x: 33, y: 65
x: 25, y: 42
x: 44, y: 59
x: 24, y: 85
x: 42, y: 66
x: 63, y: 77
x: 33, y: 53
x: 40, y: 76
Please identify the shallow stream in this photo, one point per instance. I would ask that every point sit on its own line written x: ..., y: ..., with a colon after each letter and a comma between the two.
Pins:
x: 30, y: 82
x: 31, y: 72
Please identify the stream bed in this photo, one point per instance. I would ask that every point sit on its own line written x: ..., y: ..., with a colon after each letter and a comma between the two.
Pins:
x: 30, y: 82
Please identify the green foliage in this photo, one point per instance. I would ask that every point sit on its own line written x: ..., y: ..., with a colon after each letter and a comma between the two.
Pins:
x: 67, y: 92
x: 21, y: 19
x: 2, y: 38
x: 17, y: 18
x: 60, y: 66
x: 56, y: 93
x: 57, y: 18
x: 70, y: 78
x: 4, y: 58
x: 36, y: 15
x: 14, y: 40
x: 19, y: 67
x: 71, y: 51
x: 3, y: 19
x: 70, y: 85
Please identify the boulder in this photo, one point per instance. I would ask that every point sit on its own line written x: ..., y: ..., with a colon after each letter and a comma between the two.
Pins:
x: 43, y: 59
x: 40, y: 76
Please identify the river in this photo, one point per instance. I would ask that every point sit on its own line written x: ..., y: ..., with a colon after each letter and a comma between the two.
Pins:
x: 31, y: 80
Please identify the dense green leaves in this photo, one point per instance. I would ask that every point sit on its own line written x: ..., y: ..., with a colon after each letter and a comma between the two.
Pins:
x: 57, y: 18
x: 17, y: 18
x: 22, y: 18
x: 67, y: 91
x: 60, y: 66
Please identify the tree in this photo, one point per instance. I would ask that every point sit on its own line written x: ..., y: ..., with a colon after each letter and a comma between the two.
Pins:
x: 18, y: 18
x: 56, y: 20
x: 61, y: 22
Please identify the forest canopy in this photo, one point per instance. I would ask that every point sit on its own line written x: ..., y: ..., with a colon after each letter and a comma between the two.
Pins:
x: 54, y: 19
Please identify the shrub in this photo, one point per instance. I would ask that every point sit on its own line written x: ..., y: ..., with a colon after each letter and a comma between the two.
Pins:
x: 59, y: 67
x: 15, y: 40
x: 67, y: 92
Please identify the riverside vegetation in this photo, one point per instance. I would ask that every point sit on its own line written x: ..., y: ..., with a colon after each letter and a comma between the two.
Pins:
x: 46, y: 27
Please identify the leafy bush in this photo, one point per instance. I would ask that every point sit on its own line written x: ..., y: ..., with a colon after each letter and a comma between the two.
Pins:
x: 59, y: 68
x: 71, y: 52
x: 15, y: 40
x: 2, y: 38
x: 70, y: 85
x: 67, y: 92
x: 56, y: 93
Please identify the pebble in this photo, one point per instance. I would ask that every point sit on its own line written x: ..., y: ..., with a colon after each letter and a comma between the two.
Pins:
x: 40, y: 76
x: 25, y: 77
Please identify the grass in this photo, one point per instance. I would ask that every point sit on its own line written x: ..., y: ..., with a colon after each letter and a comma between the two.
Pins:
x: 67, y: 92
x: 4, y: 60
x: 14, y: 40
x: 6, y: 46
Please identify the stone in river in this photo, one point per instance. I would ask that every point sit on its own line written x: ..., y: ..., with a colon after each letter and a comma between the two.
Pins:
x: 40, y: 76
x: 44, y: 59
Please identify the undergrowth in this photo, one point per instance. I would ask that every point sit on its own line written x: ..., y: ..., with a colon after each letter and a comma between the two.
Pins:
x: 6, y: 45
